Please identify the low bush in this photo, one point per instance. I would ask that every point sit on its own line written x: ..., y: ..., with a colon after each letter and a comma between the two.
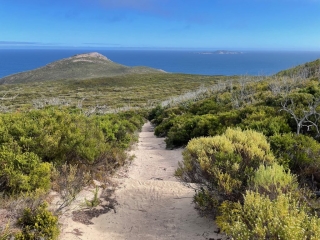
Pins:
x: 273, y: 180
x: 225, y: 163
x: 34, y: 141
x: 5, y: 232
x: 94, y: 201
x: 207, y: 202
x: 182, y: 131
x: 68, y: 181
x: 208, y: 106
x: 65, y: 135
x: 22, y: 172
x: 162, y: 129
x: 264, y: 119
x: 38, y: 223
x: 156, y: 115
x: 299, y: 153
x: 179, y: 130
x: 61, y: 149
x: 262, y: 218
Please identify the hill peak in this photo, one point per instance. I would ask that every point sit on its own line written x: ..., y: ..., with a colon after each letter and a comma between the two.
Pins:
x: 95, y: 55
x: 92, y: 57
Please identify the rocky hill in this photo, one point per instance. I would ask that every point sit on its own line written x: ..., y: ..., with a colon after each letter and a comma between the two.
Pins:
x: 82, y: 66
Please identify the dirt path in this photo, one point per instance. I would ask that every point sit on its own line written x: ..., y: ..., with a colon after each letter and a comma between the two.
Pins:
x: 152, y: 204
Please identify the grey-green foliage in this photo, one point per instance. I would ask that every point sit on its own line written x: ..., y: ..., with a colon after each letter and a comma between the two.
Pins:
x: 225, y: 163
x: 260, y: 218
x: 273, y: 180
x: 38, y: 223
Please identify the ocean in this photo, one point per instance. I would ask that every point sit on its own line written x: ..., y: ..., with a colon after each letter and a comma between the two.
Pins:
x: 191, y: 62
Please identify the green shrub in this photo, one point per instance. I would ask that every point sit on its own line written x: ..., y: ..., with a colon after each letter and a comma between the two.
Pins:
x: 32, y: 142
x: 181, y: 131
x: 156, y: 114
x: 300, y: 153
x: 5, y: 232
x: 206, y: 201
x: 225, y: 163
x: 54, y: 135
x: 37, y: 223
x: 264, y: 119
x: 273, y: 180
x: 262, y: 218
x: 95, y: 201
x: 185, y: 127
x: 162, y: 129
x: 22, y: 172
x: 208, y: 106
x: 62, y: 135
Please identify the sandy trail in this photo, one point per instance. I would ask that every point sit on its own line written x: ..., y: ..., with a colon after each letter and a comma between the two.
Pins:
x: 152, y: 203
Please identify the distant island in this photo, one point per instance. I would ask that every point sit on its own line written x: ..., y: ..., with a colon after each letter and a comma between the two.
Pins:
x: 221, y: 52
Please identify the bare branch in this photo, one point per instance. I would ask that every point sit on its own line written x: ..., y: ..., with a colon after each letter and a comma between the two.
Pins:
x: 309, y: 118
x: 8, y: 98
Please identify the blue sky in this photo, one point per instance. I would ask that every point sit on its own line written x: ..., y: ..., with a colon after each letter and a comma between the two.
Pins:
x: 162, y: 24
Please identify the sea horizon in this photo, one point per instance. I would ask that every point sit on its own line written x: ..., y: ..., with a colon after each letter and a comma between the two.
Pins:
x: 187, y: 61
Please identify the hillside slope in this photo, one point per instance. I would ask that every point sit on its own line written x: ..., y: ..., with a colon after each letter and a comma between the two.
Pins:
x: 306, y: 70
x: 82, y: 66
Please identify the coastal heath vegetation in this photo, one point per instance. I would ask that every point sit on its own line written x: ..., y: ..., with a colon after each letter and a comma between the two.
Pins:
x: 105, y: 94
x: 226, y: 162
x: 238, y: 132
x: 253, y: 148
x: 68, y: 132
x: 60, y: 135
x: 59, y: 149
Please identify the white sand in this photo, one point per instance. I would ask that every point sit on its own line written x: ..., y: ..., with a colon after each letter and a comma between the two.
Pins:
x: 152, y: 203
